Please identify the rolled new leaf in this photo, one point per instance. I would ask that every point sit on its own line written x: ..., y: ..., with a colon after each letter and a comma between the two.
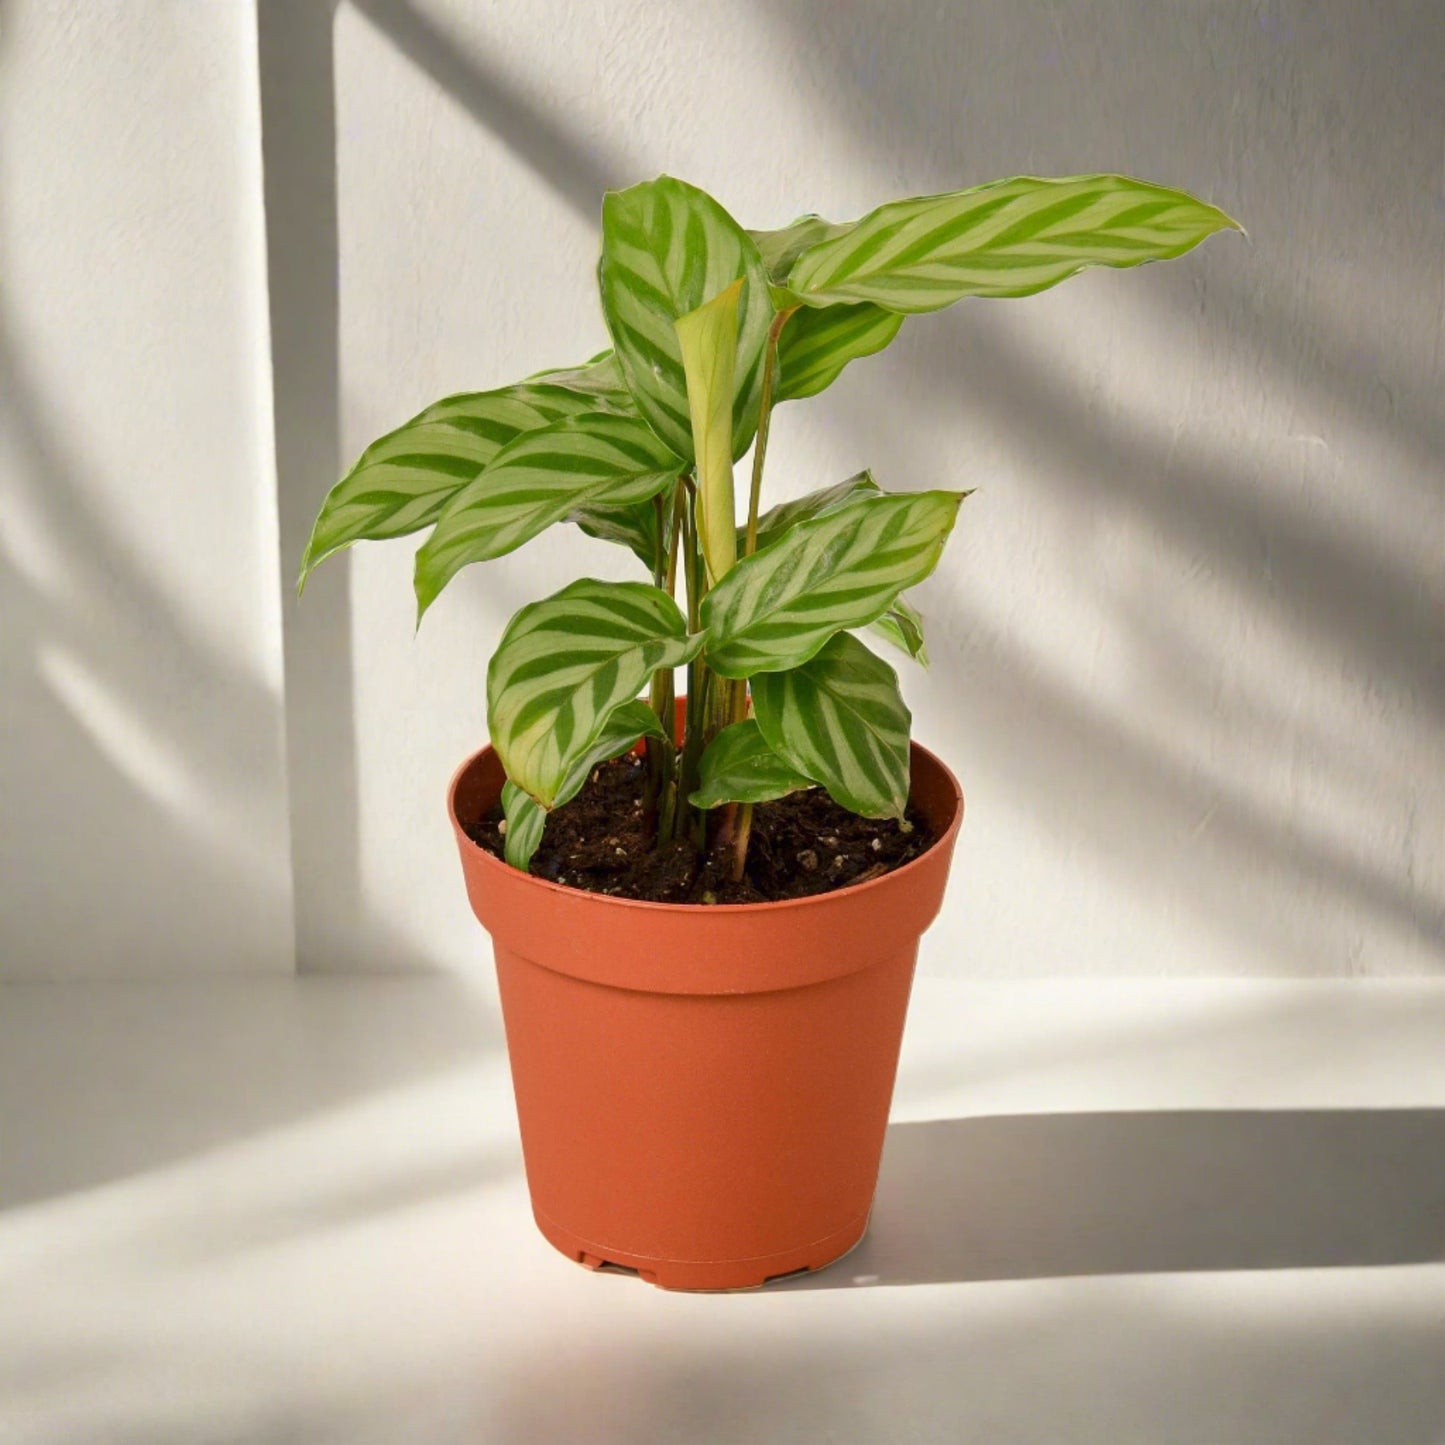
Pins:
x: 740, y: 767
x: 526, y: 817
x: 667, y: 247
x: 565, y: 664
x: 1008, y: 238
x: 709, y: 341
x: 774, y: 610
x: 402, y: 481
x: 540, y: 478
x: 840, y: 719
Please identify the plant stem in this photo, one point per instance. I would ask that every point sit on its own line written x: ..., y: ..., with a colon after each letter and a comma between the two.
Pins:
x: 738, y: 702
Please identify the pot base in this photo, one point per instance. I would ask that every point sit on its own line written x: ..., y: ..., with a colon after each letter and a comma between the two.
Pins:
x: 708, y: 1275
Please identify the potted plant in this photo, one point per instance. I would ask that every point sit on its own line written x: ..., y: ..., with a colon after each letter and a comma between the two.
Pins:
x: 706, y: 909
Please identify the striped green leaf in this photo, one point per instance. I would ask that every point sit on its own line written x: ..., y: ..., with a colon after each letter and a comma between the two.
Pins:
x: 903, y: 627
x: 1009, y: 238
x: 401, y: 482
x: 666, y: 248
x: 630, y: 524
x: 709, y: 341
x: 565, y: 664
x: 776, y: 521
x: 740, y: 767
x: 543, y: 477
x: 774, y: 610
x: 781, y: 248
x: 840, y: 719
x: 818, y: 342
x: 526, y: 817
x: 526, y: 822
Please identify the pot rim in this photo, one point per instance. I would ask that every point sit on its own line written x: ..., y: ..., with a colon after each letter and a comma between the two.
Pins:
x: 649, y: 907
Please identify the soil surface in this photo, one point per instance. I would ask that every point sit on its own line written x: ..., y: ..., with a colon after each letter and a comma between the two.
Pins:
x: 800, y: 845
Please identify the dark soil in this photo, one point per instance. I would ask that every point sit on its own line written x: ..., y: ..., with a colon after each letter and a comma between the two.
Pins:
x: 800, y: 845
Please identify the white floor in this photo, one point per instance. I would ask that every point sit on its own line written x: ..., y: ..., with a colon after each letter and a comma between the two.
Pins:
x: 292, y: 1212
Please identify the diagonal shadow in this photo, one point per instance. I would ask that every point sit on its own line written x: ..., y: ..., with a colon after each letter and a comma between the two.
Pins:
x: 1056, y: 1195
x: 578, y: 172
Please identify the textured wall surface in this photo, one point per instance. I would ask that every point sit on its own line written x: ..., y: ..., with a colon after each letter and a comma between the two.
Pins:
x: 1188, y: 638
x: 142, y: 798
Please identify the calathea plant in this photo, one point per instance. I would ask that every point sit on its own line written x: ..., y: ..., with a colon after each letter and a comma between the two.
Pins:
x: 712, y: 326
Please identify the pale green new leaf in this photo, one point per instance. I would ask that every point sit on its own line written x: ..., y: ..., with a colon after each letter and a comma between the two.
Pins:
x: 666, y: 248
x: 526, y: 821
x: 1009, y: 238
x: 774, y: 610
x: 840, y: 719
x: 740, y: 767
x: 565, y: 664
x: 776, y: 521
x: 709, y: 341
x: 903, y: 627
x: 818, y: 342
x: 401, y: 482
x: 540, y: 478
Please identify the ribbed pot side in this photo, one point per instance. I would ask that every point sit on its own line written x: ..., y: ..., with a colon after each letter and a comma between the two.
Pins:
x: 703, y: 1091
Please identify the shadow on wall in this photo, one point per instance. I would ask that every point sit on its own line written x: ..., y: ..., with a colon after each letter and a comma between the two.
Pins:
x: 1220, y: 108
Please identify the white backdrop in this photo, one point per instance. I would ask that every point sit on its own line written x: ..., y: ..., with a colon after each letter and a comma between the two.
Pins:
x: 1187, y: 640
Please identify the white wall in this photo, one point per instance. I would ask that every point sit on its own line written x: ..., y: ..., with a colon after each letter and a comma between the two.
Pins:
x: 1188, y: 637
x: 142, y: 798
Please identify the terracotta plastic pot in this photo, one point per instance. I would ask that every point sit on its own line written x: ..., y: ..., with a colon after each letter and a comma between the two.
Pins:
x: 703, y: 1090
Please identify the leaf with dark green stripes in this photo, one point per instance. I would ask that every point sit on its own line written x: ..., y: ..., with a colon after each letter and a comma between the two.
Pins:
x: 1009, y: 238
x: 819, y: 341
x: 526, y: 817
x: 630, y: 524
x: 903, y: 627
x: 774, y: 610
x: 780, y: 248
x: 666, y: 248
x: 740, y: 767
x: 540, y: 478
x: 401, y: 482
x: 565, y: 664
x: 776, y: 521
x: 709, y: 341
x: 839, y: 718
x: 526, y: 821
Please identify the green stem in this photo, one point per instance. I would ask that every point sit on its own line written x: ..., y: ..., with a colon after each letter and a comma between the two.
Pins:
x: 738, y: 702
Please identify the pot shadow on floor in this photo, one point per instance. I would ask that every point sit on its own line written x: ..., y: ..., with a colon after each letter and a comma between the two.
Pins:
x: 1042, y: 1196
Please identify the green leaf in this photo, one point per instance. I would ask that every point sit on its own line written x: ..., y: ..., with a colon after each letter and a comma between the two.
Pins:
x: 903, y: 627
x: 526, y: 817
x: 839, y: 718
x: 779, y: 249
x: 1009, y: 238
x: 630, y: 524
x: 818, y: 342
x: 565, y: 664
x: 540, y: 478
x: 526, y: 820
x: 774, y: 610
x: 600, y: 377
x: 739, y: 767
x: 709, y: 341
x: 666, y: 248
x: 401, y: 482
x: 776, y: 521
